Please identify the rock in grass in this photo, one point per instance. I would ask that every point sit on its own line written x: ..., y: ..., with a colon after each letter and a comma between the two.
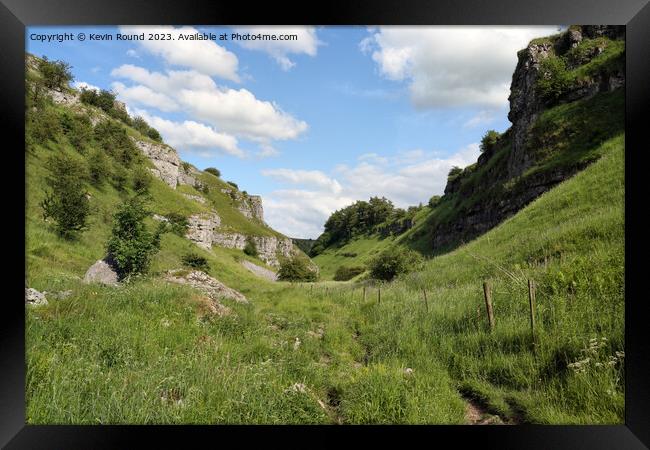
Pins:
x: 211, y: 287
x: 101, y: 272
x: 33, y: 297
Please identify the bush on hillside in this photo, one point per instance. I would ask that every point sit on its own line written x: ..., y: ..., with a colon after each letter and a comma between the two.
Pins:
x: 99, y: 168
x: 345, y: 273
x: 489, y: 140
x: 554, y: 79
x: 113, y: 138
x: 250, y: 248
x: 434, y: 201
x: 296, y: 269
x: 395, y: 261
x: 196, y: 262
x: 77, y: 129
x: 55, y: 74
x: 233, y: 184
x: 119, y: 177
x: 131, y: 246
x: 454, y: 172
x: 66, y: 202
x: 141, y: 179
x: 177, y: 223
x: 43, y: 125
x: 213, y: 171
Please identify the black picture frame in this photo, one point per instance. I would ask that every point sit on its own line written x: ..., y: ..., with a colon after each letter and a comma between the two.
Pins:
x: 15, y: 15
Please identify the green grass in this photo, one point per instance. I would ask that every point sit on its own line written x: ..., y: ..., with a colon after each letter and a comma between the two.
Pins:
x: 147, y: 353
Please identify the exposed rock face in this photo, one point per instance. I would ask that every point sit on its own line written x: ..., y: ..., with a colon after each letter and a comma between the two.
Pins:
x: 101, y: 272
x: 201, y: 229
x: 251, y: 207
x: 260, y: 271
x: 525, y: 103
x: 164, y: 158
x: 211, y: 287
x: 268, y: 247
x: 35, y: 298
x: 64, y: 98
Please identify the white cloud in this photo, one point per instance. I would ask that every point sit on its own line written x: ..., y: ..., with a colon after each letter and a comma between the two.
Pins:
x: 132, y: 53
x: 204, y: 56
x: 451, y: 66
x: 266, y: 151
x: 193, y: 136
x: 234, y: 111
x: 306, y: 43
x: 84, y: 85
x: 142, y: 95
x: 405, y: 178
x: 483, y: 117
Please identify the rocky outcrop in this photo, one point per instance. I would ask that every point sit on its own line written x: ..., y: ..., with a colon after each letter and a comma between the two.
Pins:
x: 251, y: 207
x: 34, y: 298
x: 260, y: 271
x: 269, y: 248
x: 103, y: 272
x: 164, y: 158
x: 211, y: 287
x: 201, y: 229
x: 525, y: 102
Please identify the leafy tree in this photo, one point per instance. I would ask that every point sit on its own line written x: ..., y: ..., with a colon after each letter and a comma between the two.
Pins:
x: 395, y: 261
x: 154, y: 134
x: 489, y: 140
x: 103, y: 99
x: 113, y: 138
x: 454, y: 172
x: 296, y: 269
x: 434, y: 200
x: 233, y: 184
x: 131, y: 246
x: 43, y: 125
x: 55, y: 74
x: 78, y: 130
x: 213, y: 171
x: 554, y: 79
x: 98, y: 167
x: 66, y: 201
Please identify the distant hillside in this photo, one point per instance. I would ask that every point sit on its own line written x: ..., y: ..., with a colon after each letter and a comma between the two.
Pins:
x: 567, y: 98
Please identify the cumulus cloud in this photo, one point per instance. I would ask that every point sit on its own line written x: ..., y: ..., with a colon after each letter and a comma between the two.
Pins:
x: 84, y: 85
x: 483, y: 117
x: 451, y: 66
x: 142, y: 95
x: 204, y: 56
x: 406, y: 178
x: 132, y: 53
x: 193, y: 136
x: 234, y: 111
x: 306, y: 43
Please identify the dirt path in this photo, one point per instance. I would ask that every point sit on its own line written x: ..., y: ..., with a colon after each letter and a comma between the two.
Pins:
x: 475, y: 414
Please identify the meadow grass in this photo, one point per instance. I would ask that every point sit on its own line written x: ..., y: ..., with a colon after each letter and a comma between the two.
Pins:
x: 148, y: 352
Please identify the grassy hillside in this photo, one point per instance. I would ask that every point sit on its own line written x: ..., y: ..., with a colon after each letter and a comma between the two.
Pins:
x: 147, y: 352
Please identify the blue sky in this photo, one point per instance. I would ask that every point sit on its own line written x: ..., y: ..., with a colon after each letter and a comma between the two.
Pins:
x: 312, y: 125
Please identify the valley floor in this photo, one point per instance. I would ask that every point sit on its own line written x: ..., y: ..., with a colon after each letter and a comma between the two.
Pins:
x: 150, y: 352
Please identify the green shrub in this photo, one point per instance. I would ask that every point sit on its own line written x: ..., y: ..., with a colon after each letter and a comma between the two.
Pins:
x: 104, y: 100
x: 345, y: 273
x: 43, y: 125
x: 434, y: 201
x: 153, y: 134
x: 145, y: 129
x: 141, y: 179
x: 55, y: 74
x: 196, y: 262
x: 349, y: 254
x: 395, y: 261
x: 454, y: 172
x: 178, y: 223
x: 66, y: 201
x: 131, y: 246
x: 233, y: 184
x: 489, y: 140
x: 250, y: 248
x: 554, y: 79
x: 98, y: 167
x: 78, y: 130
x: 213, y: 171
x: 119, y: 177
x: 296, y: 269
x: 113, y: 138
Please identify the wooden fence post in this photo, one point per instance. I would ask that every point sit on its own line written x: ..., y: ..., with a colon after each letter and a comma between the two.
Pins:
x: 531, y: 302
x: 379, y: 295
x: 488, y: 303
x: 426, y: 302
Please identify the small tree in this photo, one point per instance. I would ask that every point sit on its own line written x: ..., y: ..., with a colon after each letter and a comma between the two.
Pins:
x: 55, y: 74
x: 454, y: 172
x: 98, y: 167
x: 489, y: 140
x: 131, y: 246
x: 250, y: 248
x: 434, y: 200
x: 345, y: 273
x: 213, y: 171
x: 178, y: 223
x: 141, y: 179
x: 66, y: 201
x: 395, y: 261
x: 296, y: 269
